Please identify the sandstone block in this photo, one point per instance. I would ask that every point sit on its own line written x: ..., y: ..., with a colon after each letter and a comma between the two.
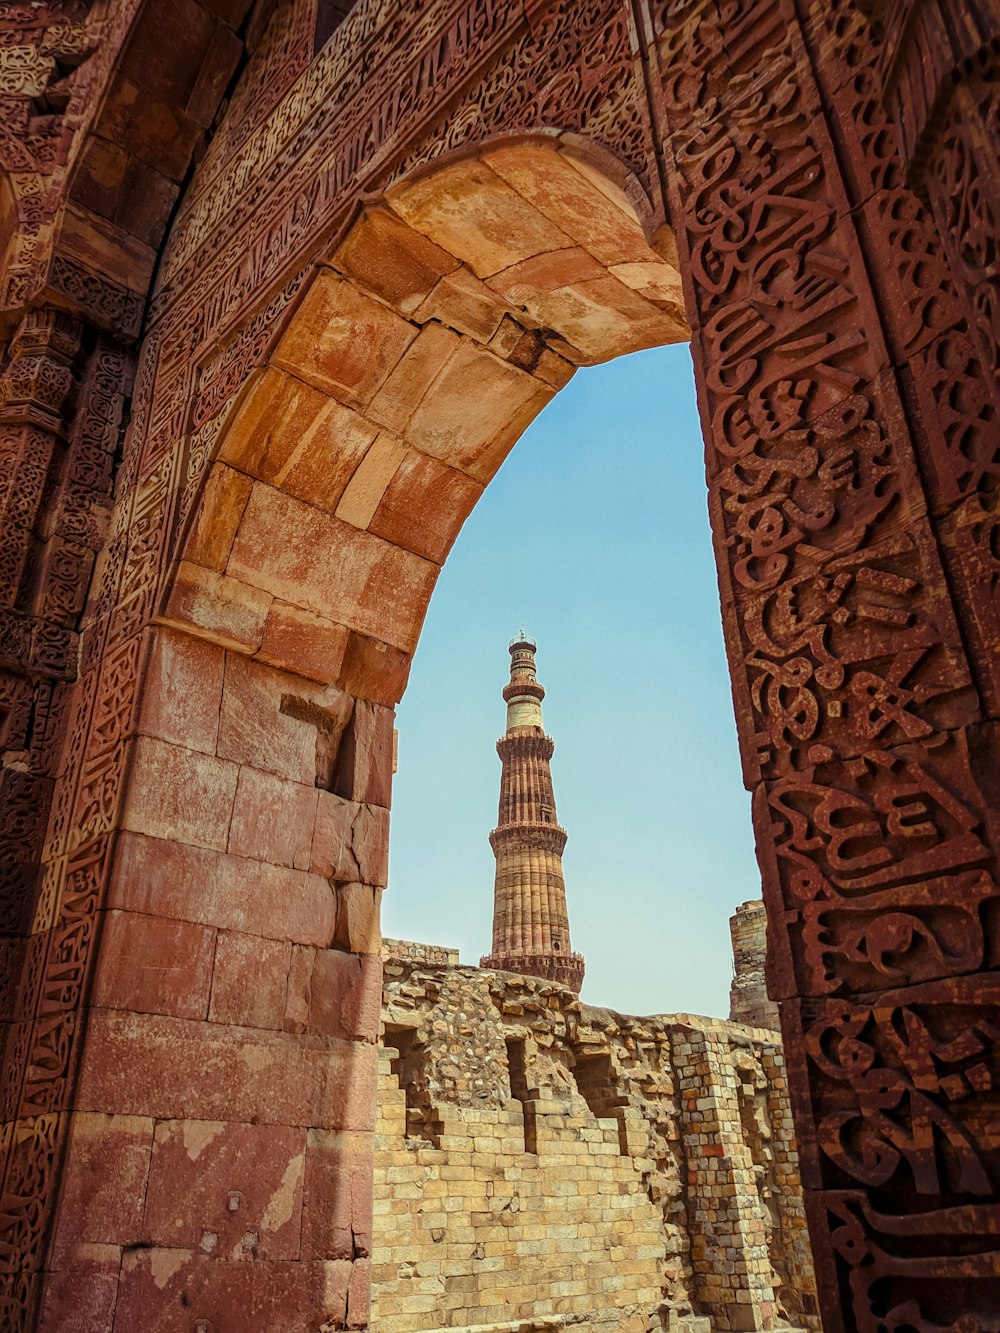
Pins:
x: 208, y: 1071
x: 409, y: 381
x: 213, y: 1184
x: 475, y: 410
x: 314, y: 560
x: 336, y: 1221
x: 374, y: 670
x: 298, y: 439
x: 273, y: 819
x: 288, y: 1295
x: 81, y: 1292
x: 343, y: 341
x: 303, y: 643
x: 154, y: 965
x: 104, y: 1184
x: 333, y: 854
x: 250, y: 980
x: 357, y: 923
x: 179, y: 794
x: 553, y: 184
x: 217, y: 607
x: 169, y: 879
x: 363, y: 771
x: 424, y: 506
x: 217, y: 518
x: 468, y: 210
x: 183, y: 690
x: 392, y: 260
x: 364, y: 492
x: 464, y: 302
x: 339, y: 993
x: 257, y: 727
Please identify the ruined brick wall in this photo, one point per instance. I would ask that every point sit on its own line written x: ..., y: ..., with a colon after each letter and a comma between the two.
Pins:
x: 419, y: 953
x: 748, y: 1001
x: 538, y: 1158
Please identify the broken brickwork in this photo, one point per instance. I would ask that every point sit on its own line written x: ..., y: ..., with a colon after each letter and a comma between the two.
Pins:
x: 748, y: 1001
x: 540, y: 1158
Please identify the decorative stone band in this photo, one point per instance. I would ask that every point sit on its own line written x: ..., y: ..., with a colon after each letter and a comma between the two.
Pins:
x: 31, y: 644
x: 519, y: 687
x: 566, y: 969
x: 544, y: 837
x: 527, y: 745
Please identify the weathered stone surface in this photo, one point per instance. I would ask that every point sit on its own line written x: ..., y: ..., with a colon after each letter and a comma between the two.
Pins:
x: 219, y: 608
x: 230, y: 1191
x: 210, y: 1071
x: 302, y: 642
x: 183, y: 691
x: 295, y: 553
x: 273, y: 819
x: 250, y: 980
x: 179, y: 794
x: 472, y: 213
x: 103, y: 1198
x: 170, y: 879
x: 343, y: 342
x: 337, y: 1220
x: 155, y: 966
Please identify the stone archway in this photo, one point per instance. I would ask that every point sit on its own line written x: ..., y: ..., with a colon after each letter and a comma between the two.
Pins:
x: 254, y: 827
x: 852, y: 461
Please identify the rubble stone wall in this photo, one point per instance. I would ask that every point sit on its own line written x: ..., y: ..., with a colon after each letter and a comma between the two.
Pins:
x: 539, y: 1158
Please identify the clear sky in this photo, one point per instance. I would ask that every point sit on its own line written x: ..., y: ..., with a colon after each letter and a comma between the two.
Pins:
x: 594, y: 537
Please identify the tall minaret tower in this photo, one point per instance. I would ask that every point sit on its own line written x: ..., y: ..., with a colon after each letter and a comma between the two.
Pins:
x: 530, y: 925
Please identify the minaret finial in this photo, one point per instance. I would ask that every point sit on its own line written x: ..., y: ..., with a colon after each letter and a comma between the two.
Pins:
x: 530, y: 921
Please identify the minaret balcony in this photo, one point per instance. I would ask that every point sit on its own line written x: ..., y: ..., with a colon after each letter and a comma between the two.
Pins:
x: 566, y: 969
x: 523, y: 687
x: 530, y: 834
x: 526, y: 744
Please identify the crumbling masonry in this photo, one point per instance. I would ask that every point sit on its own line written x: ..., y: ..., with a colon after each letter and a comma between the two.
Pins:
x: 542, y: 1160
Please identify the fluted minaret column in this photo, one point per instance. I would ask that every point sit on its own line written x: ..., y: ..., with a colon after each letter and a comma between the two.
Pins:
x: 530, y: 923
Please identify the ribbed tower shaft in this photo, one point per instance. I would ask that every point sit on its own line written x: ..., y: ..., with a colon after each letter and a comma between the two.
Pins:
x: 530, y: 921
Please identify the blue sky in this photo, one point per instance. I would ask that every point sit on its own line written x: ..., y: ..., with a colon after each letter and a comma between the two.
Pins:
x: 594, y: 536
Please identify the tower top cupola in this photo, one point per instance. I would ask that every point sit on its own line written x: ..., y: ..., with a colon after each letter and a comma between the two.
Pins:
x: 522, y: 694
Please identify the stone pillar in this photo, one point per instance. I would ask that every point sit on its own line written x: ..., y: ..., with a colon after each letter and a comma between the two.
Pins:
x: 748, y: 1002
x: 61, y: 400
x: 852, y: 460
x: 530, y: 921
x: 729, y: 1253
x: 35, y: 653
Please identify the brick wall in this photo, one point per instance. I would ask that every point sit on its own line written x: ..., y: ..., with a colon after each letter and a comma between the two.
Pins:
x: 540, y: 1159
